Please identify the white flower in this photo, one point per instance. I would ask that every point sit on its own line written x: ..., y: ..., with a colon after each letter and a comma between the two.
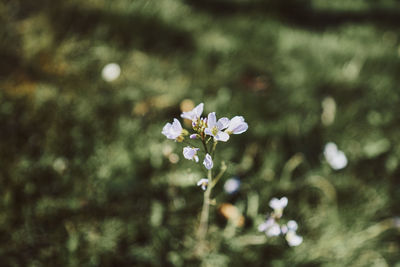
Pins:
x: 172, y: 131
x: 194, y: 114
x: 203, y: 183
x: 214, y: 127
x: 293, y: 239
x: 208, y: 163
x: 232, y: 185
x: 191, y: 153
x: 270, y: 227
x: 111, y: 72
x: 278, y: 205
x: 292, y: 225
x: 237, y: 125
x: 336, y: 158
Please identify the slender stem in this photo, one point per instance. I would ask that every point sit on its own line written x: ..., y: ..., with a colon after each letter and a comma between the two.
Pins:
x: 213, y: 148
x: 205, y: 146
x: 221, y: 172
x: 202, y: 231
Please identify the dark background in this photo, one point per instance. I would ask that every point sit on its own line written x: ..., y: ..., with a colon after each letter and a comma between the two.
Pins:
x: 87, y: 179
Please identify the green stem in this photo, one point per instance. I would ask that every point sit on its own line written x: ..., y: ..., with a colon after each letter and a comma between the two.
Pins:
x: 205, y: 146
x: 221, y: 172
x: 213, y: 149
x: 202, y: 231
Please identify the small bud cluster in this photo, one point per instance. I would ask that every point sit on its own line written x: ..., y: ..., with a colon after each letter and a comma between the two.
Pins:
x: 272, y: 227
x: 205, y: 130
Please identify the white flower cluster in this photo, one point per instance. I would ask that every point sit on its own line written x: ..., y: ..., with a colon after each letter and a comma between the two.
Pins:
x: 271, y: 226
x: 205, y: 129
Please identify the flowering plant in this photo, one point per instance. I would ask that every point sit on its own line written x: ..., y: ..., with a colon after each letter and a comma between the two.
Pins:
x: 272, y: 226
x: 207, y: 132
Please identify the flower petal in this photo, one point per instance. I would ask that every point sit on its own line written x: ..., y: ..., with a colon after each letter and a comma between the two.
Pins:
x: 211, y: 120
x: 198, y: 110
x: 166, y: 129
x: 208, y: 163
x: 241, y: 128
x: 222, y: 136
x: 223, y: 123
x: 292, y: 225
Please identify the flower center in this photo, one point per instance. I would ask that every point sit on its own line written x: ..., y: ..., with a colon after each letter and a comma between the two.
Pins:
x: 214, y: 130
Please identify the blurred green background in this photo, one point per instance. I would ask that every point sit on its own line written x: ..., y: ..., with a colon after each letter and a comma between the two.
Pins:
x: 87, y: 179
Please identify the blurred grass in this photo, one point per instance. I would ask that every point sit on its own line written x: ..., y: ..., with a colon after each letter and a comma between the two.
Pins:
x: 87, y: 178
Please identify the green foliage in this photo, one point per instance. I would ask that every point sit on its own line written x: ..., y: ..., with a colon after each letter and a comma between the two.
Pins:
x: 87, y: 179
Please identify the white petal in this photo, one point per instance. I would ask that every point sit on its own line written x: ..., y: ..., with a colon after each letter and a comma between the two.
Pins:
x: 274, y: 203
x: 208, y: 163
x: 198, y: 110
x: 211, y: 120
x: 166, y: 129
x: 293, y: 239
x: 292, y: 225
x: 186, y: 152
x: 176, y: 125
x: 188, y: 115
x: 283, y: 202
x: 235, y: 121
x: 274, y: 230
x: 222, y: 136
x: 241, y: 128
x: 223, y: 123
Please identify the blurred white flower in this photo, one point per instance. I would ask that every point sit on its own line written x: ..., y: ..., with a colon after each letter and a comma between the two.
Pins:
x: 208, y: 163
x: 232, y: 185
x: 292, y: 225
x: 237, y: 125
x: 335, y: 158
x: 203, y: 183
x: 214, y: 127
x: 270, y: 227
x: 111, y: 72
x: 60, y: 165
x: 172, y: 131
x: 278, y: 205
x: 194, y: 114
x: 191, y: 153
x: 293, y: 239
